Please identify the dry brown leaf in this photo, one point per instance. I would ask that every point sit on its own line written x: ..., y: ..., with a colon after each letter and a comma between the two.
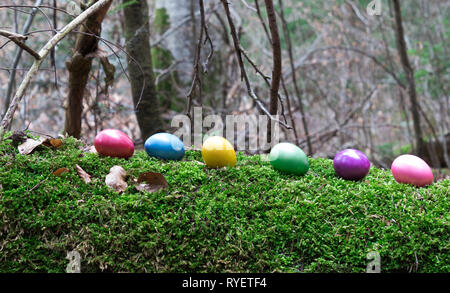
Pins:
x: 152, y: 182
x: 83, y: 174
x: 29, y: 145
x: 60, y: 171
x: 52, y: 142
x: 55, y: 142
x: 116, y: 178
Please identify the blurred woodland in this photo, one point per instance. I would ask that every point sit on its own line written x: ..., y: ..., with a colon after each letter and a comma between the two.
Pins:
x: 336, y: 76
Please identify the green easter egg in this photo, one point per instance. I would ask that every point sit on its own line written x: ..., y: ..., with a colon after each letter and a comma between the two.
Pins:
x: 289, y: 158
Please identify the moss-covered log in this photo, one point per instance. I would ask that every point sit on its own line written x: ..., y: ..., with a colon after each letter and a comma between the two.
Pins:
x: 249, y: 218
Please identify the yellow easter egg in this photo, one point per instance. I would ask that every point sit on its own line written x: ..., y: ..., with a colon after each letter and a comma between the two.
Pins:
x: 218, y: 152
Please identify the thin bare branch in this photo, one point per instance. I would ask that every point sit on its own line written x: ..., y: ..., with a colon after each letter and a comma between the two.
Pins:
x: 244, y: 76
x: 18, y: 40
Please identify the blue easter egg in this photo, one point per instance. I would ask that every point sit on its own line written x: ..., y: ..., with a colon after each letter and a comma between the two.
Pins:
x: 164, y: 146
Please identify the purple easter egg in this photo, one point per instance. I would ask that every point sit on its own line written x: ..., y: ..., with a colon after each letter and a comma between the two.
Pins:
x: 351, y: 164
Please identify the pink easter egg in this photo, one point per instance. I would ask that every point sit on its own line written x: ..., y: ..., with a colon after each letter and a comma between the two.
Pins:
x: 413, y: 170
x: 114, y: 143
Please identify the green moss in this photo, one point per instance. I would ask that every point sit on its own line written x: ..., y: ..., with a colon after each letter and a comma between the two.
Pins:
x: 161, y: 22
x: 167, y: 93
x: 245, y: 219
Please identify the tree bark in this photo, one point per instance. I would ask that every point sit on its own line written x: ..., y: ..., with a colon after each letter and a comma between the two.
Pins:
x: 409, y: 73
x: 79, y: 67
x: 140, y: 68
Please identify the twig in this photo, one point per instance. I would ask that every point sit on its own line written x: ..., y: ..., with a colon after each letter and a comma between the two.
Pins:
x: 248, y: 6
x: 357, y: 12
x: 108, y: 44
x: 261, y: 20
x: 52, y: 53
x: 294, y: 76
x: 324, y: 132
x: 276, y: 55
x: 196, y: 80
x: 244, y: 75
x: 286, y: 93
x: 361, y: 52
x: 18, y: 40
x: 18, y: 55
x: 269, y: 37
x: 163, y: 73
x: 37, y: 185
x: 207, y: 37
x: 178, y: 26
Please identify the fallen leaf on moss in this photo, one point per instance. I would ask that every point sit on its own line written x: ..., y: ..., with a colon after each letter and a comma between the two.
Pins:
x: 83, y: 174
x: 54, y: 142
x: 60, y: 171
x: 29, y: 145
x: 151, y: 182
x: 116, y: 178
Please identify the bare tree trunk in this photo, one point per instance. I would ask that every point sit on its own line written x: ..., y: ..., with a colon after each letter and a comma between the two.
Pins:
x: 140, y: 68
x: 409, y: 73
x: 79, y: 67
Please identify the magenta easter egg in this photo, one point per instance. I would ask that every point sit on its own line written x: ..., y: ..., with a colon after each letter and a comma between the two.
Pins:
x: 413, y: 170
x: 351, y: 164
x: 114, y: 143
